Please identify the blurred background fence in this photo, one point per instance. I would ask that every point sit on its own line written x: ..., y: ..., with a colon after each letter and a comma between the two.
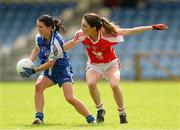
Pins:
x: 151, y: 55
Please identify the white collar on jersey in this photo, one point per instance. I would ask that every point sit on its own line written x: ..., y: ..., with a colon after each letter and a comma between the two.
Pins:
x: 99, y: 36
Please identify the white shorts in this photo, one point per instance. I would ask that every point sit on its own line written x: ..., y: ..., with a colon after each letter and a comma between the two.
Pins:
x: 102, y: 67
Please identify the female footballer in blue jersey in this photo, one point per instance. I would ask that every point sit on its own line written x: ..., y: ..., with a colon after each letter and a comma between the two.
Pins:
x: 55, y: 66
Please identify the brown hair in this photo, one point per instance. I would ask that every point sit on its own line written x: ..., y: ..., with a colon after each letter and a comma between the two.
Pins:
x: 50, y: 21
x: 95, y: 20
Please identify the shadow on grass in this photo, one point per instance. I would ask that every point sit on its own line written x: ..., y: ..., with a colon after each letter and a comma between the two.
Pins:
x: 55, y: 125
x: 66, y: 125
x: 44, y: 125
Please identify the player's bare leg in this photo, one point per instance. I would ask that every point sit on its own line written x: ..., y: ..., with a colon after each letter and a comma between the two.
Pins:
x: 69, y: 96
x: 113, y: 75
x: 41, y: 84
x: 92, y: 77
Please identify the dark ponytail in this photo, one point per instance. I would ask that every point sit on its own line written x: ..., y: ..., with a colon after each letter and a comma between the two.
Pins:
x: 56, y: 24
x: 96, y: 21
x: 110, y: 27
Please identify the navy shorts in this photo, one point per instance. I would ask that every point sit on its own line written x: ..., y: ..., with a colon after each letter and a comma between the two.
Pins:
x: 60, y: 74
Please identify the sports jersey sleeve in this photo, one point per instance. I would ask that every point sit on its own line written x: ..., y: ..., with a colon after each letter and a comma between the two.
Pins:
x: 56, y: 51
x: 36, y: 40
x: 114, y: 39
x: 79, y: 35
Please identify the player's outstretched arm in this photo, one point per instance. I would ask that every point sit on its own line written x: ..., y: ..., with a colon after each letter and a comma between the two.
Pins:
x: 69, y: 45
x: 141, y: 29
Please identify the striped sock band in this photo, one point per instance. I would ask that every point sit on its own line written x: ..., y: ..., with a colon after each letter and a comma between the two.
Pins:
x: 122, y: 111
x: 90, y: 118
x: 100, y: 107
x: 40, y: 115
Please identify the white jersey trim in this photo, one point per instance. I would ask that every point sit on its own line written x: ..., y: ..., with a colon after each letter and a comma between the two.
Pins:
x: 80, y: 34
x: 109, y: 38
x: 36, y: 42
x: 55, y: 54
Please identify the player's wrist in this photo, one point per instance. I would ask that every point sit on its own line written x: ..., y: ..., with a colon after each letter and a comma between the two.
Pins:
x: 33, y: 71
x: 153, y: 27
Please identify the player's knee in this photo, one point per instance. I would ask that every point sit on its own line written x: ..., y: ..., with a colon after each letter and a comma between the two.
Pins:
x: 70, y: 99
x: 91, y: 84
x: 39, y: 87
x: 115, y: 86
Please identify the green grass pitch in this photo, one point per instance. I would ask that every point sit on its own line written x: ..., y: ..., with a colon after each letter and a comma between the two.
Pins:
x: 149, y: 105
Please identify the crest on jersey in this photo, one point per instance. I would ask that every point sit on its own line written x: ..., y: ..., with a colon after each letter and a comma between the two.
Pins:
x: 98, y: 55
x: 47, y: 54
x: 87, y: 46
x: 43, y: 49
x: 55, y: 50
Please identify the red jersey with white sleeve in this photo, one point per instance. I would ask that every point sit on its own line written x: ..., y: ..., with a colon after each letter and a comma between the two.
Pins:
x: 100, y: 51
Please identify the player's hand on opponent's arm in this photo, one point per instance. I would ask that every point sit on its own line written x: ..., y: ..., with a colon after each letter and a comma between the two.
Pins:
x: 28, y: 72
x: 159, y: 26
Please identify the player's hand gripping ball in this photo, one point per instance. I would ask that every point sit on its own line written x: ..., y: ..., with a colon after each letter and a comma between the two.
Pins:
x: 25, y: 68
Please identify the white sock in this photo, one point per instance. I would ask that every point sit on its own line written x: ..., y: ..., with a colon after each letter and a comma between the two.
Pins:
x: 122, y: 111
x: 100, y: 107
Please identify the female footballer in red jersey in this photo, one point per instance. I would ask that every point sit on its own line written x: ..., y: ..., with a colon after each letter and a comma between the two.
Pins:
x: 98, y: 35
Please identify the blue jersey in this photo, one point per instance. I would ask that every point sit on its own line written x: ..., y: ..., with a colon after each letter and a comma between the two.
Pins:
x: 53, y: 50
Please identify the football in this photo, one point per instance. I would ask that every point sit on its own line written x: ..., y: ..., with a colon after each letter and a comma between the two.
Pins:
x: 23, y: 63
